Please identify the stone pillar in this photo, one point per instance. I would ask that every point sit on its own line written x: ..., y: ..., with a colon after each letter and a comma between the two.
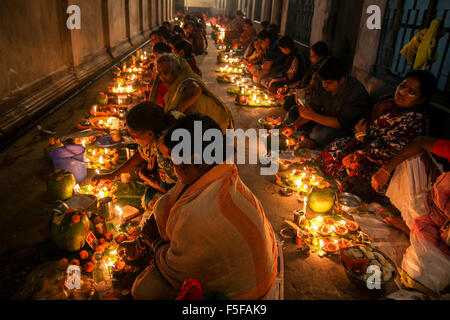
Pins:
x: 266, y: 9
x: 117, y: 27
x: 134, y: 21
x: 367, y: 50
x: 284, y: 15
x: 252, y: 9
x: 146, y: 18
x: 88, y: 44
x: 276, y: 12
x: 154, y: 13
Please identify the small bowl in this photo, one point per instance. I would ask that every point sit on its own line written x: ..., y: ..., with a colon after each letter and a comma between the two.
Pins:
x: 284, y: 165
x: 348, y: 202
x: 286, y: 192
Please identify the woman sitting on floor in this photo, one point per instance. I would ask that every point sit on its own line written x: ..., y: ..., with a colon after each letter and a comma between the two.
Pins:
x: 184, y: 49
x: 210, y: 227
x: 146, y: 123
x: 292, y: 69
x: 392, y: 125
x: 159, y: 89
x: 188, y: 94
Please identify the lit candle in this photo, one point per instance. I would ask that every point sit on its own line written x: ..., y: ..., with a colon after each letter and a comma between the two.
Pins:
x: 106, y: 151
x: 119, y: 213
x: 95, y: 110
x: 93, y: 152
x: 100, y: 159
x: 321, y: 243
x: 77, y: 189
x: 101, y: 194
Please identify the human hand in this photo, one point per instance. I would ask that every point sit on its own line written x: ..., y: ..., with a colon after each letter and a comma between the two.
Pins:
x: 128, y: 250
x: 379, y: 180
x: 361, y: 126
x: 103, y: 179
x: 150, y: 231
x: 306, y: 112
x: 148, y: 178
x: 289, y: 130
x: 283, y: 90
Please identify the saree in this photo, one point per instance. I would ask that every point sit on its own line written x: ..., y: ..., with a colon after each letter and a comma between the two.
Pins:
x: 207, y: 104
x: 218, y: 234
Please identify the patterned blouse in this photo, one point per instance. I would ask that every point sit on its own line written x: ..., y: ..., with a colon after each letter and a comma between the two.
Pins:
x: 388, y: 134
x: 151, y: 153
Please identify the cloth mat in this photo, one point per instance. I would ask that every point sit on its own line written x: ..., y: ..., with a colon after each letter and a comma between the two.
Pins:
x: 392, y: 242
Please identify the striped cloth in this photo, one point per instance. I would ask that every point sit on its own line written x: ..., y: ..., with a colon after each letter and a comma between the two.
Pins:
x: 218, y: 234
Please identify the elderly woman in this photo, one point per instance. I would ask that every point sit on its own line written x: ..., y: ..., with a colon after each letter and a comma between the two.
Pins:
x: 209, y: 227
x: 188, y: 94
x: 391, y: 126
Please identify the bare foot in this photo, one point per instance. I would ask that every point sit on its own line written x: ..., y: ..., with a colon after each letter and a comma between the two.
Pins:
x: 397, y: 223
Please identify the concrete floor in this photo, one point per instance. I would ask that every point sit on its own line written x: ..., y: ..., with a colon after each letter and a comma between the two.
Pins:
x: 24, y: 220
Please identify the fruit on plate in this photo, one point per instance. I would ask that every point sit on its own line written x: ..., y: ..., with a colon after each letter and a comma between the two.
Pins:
x: 60, y: 184
x: 101, y: 99
x: 330, y: 247
x: 325, y: 230
x: 340, y: 229
x: 321, y: 200
x: 352, y: 225
x: 67, y: 235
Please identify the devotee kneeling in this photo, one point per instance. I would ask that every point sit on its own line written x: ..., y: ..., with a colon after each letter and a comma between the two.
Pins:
x: 333, y: 109
x: 209, y: 227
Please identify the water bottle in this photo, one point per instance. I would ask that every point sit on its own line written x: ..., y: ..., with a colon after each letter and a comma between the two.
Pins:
x: 102, y: 278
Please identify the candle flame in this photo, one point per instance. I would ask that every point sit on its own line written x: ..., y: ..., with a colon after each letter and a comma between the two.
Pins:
x: 321, y: 243
x: 101, y: 194
x: 342, y: 222
x: 320, y: 219
x: 113, y: 252
x: 96, y: 171
x: 314, y: 226
x: 100, y: 159
x: 77, y: 189
x: 118, y: 210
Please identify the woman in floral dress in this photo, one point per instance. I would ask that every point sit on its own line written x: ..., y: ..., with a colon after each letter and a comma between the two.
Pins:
x: 392, y: 124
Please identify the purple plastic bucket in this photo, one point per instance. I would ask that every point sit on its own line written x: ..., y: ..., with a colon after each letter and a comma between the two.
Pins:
x: 70, y: 158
